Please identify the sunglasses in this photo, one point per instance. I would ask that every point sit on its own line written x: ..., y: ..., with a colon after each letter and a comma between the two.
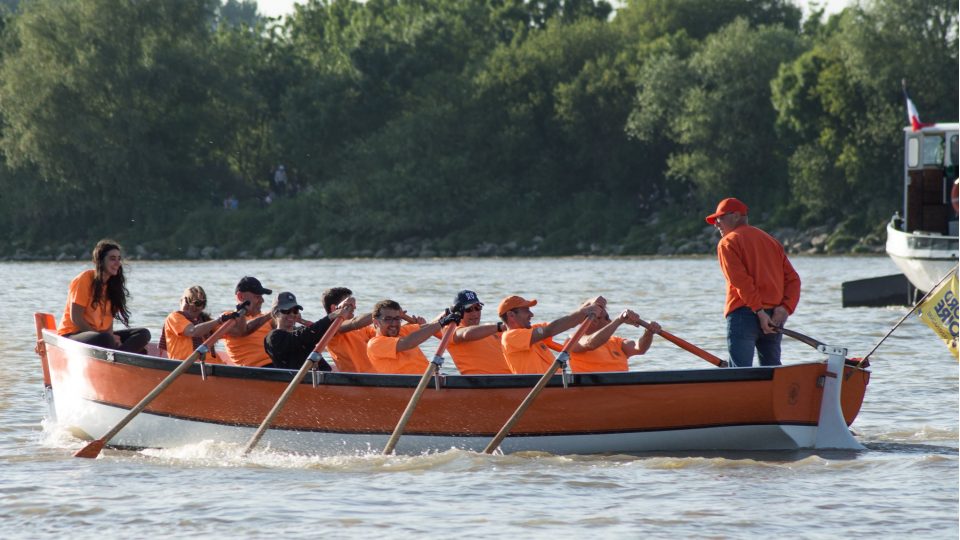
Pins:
x: 289, y: 311
x: 473, y: 308
x: 195, y: 303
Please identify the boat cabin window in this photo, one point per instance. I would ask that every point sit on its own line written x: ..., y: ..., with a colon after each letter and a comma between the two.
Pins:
x: 933, y: 150
x: 953, y: 150
x: 913, y: 152
x: 952, y: 169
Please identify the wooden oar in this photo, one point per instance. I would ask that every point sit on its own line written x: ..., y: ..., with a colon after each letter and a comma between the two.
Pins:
x: 687, y: 346
x: 93, y: 449
x: 427, y: 374
x: 525, y: 404
x: 799, y: 337
x: 313, y: 357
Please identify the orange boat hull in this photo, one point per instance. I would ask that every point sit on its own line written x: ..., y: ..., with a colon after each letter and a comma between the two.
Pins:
x: 710, y: 409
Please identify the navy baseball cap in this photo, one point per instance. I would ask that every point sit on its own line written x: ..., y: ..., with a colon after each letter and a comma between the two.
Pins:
x: 251, y: 285
x: 285, y: 301
x: 467, y: 298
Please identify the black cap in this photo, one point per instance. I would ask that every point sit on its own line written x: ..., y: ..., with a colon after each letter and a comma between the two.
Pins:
x: 251, y: 285
x: 285, y: 301
x: 467, y: 298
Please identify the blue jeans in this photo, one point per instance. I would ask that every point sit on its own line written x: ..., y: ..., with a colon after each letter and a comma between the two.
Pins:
x: 744, y: 334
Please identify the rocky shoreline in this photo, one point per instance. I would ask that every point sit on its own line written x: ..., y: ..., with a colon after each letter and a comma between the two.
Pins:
x: 822, y: 240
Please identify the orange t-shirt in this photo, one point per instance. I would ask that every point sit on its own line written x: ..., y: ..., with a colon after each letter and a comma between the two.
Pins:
x: 100, y: 318
x: 521, y: 356
x: 248, y: 350
x: 180, y: 346
x: 758, y: 273
x: 384, y: 357
x: 482, y: 356
x: 349, y: 350
x: 607, y: 357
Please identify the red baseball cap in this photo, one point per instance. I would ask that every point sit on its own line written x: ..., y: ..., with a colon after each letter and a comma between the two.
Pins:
x: 725, y: 207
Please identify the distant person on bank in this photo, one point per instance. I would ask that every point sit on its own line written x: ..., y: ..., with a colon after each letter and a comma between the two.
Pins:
x: 244, y: 342
x: 280, y: 179
x: 97, y: 297
x: 763, y: 289
x: 525, y: 345
x: 186, y: 329
x: 288, y: 345
x: 476, y: 348
x: 601, y: 351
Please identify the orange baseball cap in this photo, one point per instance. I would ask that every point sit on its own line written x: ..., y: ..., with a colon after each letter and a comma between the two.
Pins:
x: 725, y: 207
x: 514, y: 302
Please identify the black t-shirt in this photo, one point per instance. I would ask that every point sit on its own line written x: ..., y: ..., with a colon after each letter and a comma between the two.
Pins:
x: 289, y: 350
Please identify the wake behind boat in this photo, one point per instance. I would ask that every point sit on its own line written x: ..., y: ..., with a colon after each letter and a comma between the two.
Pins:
x: 800, y: 406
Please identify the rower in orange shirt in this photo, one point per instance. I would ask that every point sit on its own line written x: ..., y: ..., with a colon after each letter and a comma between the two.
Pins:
x: 476, y: 348
x: 599, y: 350
x: 349, y: 347
x: 524, y: 344
x: 186, y: 329
x: 396, y: 349
x: 244, y: 342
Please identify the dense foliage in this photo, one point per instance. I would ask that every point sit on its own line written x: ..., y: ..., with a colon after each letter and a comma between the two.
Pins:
x: 548, y: 125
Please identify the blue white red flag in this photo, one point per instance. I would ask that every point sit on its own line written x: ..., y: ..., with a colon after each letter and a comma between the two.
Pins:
x: 912, y: 115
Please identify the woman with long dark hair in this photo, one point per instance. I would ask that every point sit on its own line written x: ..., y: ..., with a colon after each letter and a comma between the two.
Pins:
x: 97, y: 297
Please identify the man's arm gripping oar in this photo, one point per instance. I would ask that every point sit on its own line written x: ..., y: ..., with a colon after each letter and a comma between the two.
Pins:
x: 311, y: 360
x: 432, y: 368
x: 527, y: 401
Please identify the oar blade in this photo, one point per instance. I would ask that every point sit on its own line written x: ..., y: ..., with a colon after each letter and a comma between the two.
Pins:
x: 91, y: 450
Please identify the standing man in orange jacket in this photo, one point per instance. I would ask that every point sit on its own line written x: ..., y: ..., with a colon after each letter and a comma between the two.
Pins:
x: 763, y: 289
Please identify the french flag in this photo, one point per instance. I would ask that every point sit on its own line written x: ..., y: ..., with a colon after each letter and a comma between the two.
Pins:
x: 912, y: 115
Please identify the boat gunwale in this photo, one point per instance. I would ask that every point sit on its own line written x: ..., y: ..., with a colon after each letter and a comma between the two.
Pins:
x: 462, y: 382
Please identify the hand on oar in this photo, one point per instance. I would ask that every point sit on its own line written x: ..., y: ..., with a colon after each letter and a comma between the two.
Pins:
x: 541, y: 384
x: 93, y: 449
x: 342, y: 312
x: 451, y: 319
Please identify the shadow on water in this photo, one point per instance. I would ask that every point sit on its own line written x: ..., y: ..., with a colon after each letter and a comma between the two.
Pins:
x: 772, y: 456
x: 789, y: 456
x: 912, y: 448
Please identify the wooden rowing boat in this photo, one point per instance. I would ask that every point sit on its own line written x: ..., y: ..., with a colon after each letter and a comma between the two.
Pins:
x: 800, y: 406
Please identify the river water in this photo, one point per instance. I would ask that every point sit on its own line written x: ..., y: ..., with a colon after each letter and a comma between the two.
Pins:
x: 905, y: 484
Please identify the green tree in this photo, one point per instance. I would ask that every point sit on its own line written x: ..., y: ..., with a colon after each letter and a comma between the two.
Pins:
x: 236, y: 13
x: 715, y: 107
x: 651, y: 19
x: 108, y: 101
x: 842, y: 105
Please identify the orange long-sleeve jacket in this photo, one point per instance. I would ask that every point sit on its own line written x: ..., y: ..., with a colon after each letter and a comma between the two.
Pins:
x: 758, y: 273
